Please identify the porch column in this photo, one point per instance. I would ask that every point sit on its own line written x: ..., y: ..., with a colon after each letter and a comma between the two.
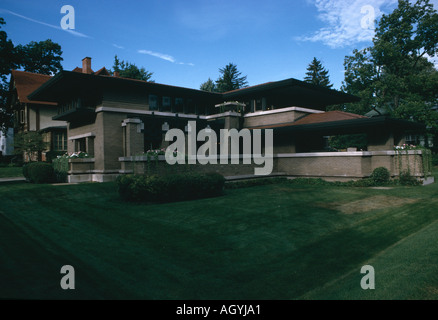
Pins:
x: 380, y: 140
x: 133, y: 137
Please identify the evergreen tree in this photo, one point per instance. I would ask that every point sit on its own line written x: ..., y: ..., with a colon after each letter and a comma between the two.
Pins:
x: 231, y: 79
x: 131, y: 71
x: 316, y: 74
x: 208, y: 85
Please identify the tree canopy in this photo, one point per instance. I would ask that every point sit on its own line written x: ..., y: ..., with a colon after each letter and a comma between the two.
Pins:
x: 42, y: 57
x: 208, y: 85
x: 394, y: 74
x: 131, y: 71
x: 230, y: 79
x: 316, y: 74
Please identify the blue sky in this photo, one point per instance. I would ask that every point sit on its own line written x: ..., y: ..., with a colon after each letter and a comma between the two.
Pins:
x: 184, y: 42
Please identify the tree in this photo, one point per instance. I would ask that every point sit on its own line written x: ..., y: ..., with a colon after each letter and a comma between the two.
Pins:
x: 28, y: 143
x: 7, y: 62
x: 131, y: 71
x: 316, y: 74
x: 231, y: 79
x: 40, y: 57
x: 394, y: 74
x: 208, y: 85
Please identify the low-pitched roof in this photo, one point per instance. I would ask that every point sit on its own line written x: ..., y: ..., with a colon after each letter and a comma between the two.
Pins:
x: 101, y: 72
x: 27, y: 82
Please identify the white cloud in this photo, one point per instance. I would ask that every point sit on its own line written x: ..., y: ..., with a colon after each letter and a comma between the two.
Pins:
x: 117, y: 46
x: 158, y: 55
x: 164, y: 56
x: 346, y: 22
x: 73, y: 32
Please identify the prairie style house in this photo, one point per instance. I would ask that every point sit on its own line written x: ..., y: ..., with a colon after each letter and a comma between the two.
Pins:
x: 116, y: 120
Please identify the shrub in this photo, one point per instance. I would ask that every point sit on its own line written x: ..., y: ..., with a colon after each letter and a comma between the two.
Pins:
x: 60, y: 168
x: 25, y: 170
x: 405, y: 179
x: 40, y: 172
x: 169, y: 188
x: 380, y: 176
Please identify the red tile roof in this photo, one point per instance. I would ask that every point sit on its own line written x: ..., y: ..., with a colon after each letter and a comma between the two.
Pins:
x: 101, y: 71
x: 27, y: 82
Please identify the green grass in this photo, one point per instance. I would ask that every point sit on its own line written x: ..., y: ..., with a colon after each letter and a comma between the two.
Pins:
x: 279, y: 241
x: 11, y: 172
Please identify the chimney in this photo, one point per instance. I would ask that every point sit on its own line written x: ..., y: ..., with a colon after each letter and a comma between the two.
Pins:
x: 116, y: 74
x: 86, y: 65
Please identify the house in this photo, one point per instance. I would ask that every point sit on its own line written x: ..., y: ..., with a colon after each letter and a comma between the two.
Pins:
x: 35, y: 115
x: 116, y: 120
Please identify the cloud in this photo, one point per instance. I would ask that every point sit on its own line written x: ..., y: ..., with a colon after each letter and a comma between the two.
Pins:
x: 75, y: 33
x: 158, y: 55
x: 164, y: 56
x: 346, y: 22
x: 117, y: 46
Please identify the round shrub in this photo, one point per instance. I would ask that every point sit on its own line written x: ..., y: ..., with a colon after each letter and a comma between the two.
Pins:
x: 40, y: 172
x: 405, y: 179
x: 380, y: 175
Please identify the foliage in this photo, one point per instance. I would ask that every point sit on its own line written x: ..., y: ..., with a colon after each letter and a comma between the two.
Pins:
x: 405, y: 179
x: 394, y: 74
x: 316, y: 74
x: 230, y: 79
x: 208, y: 85
x: 131, y: 71
x: 380, y: 176
x: 39, y: 172
x: 53, y: 154
x: 28, y: 143
x: 359, y: 141
x: 60, y: 168
x: 169, y: 188
x: 42, y: 57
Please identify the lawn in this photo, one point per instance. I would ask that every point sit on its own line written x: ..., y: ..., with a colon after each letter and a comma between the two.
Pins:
x: 281, y: 241
x: 10, y: 172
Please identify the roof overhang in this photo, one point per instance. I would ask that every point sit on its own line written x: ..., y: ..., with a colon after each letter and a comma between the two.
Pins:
x: 300, y: 93
x: 351, y: 126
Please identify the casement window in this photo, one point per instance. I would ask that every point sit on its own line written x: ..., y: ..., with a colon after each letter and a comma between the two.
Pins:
x: 59, y: 141
x: 167, y: 103
x: 179, y: 105
x: 153, y: 102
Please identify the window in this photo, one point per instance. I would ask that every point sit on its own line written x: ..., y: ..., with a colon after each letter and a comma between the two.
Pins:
x: 22, y: 116
x: 59, y: 141
x: 179, y: 105
x: 153, y: 102
x: 81, y: 145
x: 167, y: 102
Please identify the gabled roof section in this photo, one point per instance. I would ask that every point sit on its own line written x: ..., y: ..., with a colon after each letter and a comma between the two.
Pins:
x: 101, y: 72
x: 27, y: 82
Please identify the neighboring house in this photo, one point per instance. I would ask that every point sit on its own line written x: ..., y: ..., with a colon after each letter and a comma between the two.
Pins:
x: 116, y: 119
x: 33, y: 115
x: 7, y: 142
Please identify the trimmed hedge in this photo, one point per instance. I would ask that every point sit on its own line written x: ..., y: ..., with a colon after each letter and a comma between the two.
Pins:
x: 170, y: 188
x: 380, y: 176
x: 38, y: 172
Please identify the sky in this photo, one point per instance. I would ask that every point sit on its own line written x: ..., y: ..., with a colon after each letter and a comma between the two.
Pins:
x: 185, y: 42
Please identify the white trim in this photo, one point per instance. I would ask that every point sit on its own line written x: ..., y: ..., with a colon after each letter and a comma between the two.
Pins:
x: 80, y: 136
x: 148, y: 112
x: 299, y: 109
x: 219, y: 115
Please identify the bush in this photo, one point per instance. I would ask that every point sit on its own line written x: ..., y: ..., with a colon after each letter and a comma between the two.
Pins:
x: 52, y: 155
x: 60, y: 168
x: 380, y: 176
x: 39, y: 172
x: 169, y: 188
x: 405, y: 179
x: 25, y: 170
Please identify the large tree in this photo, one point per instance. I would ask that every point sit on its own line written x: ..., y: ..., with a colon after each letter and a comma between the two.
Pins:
x: 316, y: 74
x: 7, y: 62
x: 230, y: 79
x: 393, y: 75
x: 131, y: 71
x: 40, y: 57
